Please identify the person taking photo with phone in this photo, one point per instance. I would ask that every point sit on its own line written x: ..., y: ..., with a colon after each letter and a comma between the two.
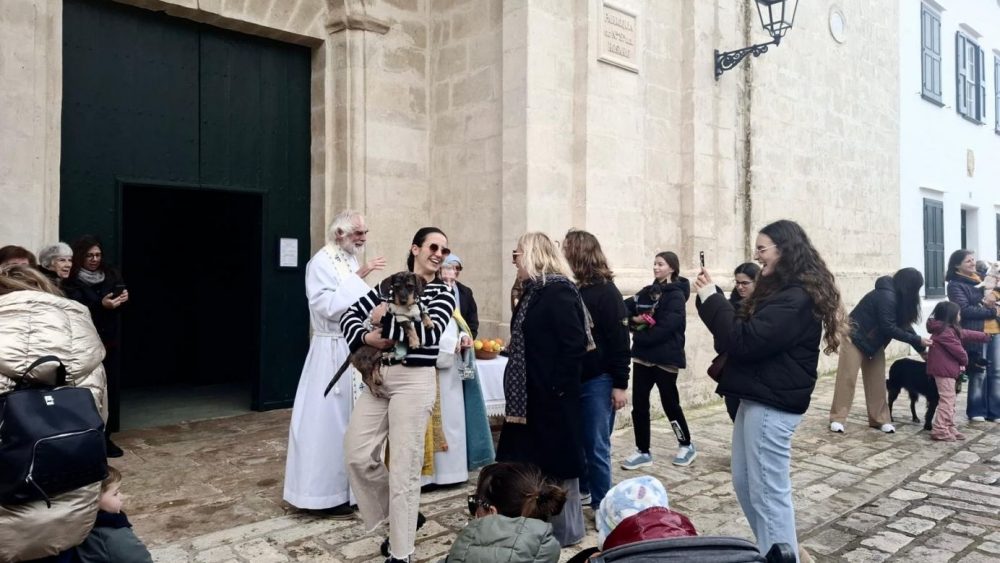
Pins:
x: 99, y: 286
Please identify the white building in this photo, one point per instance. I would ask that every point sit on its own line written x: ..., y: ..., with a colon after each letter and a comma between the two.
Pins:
x: 949, y: 133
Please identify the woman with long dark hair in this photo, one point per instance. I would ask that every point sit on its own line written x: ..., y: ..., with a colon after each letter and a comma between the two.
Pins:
x: 658, y: 321
x: 99, y: 286
x: 404, y: 402
x: 605, y: 369
x: 979, y: 312
x: 772, y: 347
x: 884, y: 314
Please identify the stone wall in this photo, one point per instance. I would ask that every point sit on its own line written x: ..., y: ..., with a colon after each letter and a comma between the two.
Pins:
x: 490, y: 118
x: 30, y: 106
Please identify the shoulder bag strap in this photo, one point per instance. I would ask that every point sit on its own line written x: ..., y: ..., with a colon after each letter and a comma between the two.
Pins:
x: 60, y: 373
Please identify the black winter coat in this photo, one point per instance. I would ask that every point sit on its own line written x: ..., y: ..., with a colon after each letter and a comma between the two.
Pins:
x: 555, y: 343
x: 663, y: 343
x: 467, y: 306
x: 772, y: 356
x: 963, y: 292
x: 873, y: 321
x: 607, y: 311
x: 106, y: 321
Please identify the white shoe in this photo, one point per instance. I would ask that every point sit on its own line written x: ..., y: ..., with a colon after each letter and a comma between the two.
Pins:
x: 837, y: 427
x: 978, y: 419
x: 888, y: 429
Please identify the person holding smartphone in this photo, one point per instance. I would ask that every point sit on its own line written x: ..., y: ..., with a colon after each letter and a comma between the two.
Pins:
x: 101, y: 288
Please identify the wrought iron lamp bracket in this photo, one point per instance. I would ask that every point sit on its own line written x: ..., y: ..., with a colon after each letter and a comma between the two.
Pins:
x: 729, y: 59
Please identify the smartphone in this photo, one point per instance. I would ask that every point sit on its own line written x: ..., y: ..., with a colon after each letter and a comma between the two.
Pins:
x: 701, y: 258
x: 119, y: 288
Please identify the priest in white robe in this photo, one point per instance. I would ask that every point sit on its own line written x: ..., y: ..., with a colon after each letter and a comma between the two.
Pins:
x: 315, y: 473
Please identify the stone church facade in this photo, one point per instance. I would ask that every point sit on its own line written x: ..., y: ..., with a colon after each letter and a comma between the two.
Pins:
x: 490, y: 118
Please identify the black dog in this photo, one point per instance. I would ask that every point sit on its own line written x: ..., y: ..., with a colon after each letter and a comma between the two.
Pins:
x: 911, y: 375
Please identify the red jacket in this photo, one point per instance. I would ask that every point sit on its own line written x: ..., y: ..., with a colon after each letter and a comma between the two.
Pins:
x: 946, y: 356
x: 651, y: 524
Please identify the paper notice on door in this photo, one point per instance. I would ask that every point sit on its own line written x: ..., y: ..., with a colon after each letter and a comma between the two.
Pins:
x: 288, y: 253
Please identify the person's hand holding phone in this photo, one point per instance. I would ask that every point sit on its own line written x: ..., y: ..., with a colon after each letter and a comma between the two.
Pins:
x: 111, y: 301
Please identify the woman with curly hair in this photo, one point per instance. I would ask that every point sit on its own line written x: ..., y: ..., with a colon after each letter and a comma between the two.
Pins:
x: 772, y: 345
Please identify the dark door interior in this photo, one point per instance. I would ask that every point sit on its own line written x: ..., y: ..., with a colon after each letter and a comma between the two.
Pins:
x: 153, y: 100
x: 194, y: 307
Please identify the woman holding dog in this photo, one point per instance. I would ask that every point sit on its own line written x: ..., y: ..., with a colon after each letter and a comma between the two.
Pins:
x: 772, y: 351
x: 979, y: 312
x: 884, y: 314
x: 404, y: 402
x: 658, y: 322
x: 549, y: 337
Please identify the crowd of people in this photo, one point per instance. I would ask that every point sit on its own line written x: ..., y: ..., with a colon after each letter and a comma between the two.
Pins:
x: 370, y: 443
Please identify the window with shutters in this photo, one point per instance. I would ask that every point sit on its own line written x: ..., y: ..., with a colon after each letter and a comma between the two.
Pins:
x: 970, y: 78
x: 930, y: 39
x: 996, y: 96
x: 933, y: 248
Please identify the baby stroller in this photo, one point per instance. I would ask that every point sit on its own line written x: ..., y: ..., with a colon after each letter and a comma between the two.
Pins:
x: 696, y: 549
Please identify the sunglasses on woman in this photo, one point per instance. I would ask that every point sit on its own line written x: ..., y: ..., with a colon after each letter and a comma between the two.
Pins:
x: 434, y: 247
x: 475, y: 503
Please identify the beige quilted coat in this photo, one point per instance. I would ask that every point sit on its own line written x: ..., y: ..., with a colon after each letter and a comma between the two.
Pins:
x: 34, y: 324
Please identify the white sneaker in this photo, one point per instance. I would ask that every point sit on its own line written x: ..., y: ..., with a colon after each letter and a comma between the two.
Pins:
x: 837, y: 427
x: 888, y: 429
x: 637, y: 460
x: 978, y: 419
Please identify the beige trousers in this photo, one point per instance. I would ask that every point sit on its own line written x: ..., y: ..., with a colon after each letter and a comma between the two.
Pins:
x: 873, y: 377
x: 391, y: 494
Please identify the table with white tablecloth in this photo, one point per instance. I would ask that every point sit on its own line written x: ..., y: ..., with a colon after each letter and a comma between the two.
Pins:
x: 491, y: 380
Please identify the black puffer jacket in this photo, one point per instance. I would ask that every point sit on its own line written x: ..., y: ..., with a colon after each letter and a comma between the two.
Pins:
x: 963, y: 292
x: 873, y: 321
x: 772, y: 356
x: 663, y: 343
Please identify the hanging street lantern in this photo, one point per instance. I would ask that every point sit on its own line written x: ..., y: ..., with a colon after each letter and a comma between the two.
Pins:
x: 776, y: 17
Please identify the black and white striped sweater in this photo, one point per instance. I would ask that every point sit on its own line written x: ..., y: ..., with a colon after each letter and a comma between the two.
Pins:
x: 436, y: 299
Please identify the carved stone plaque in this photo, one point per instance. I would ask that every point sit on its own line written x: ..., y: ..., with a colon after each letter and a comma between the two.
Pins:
x: 619, y: 40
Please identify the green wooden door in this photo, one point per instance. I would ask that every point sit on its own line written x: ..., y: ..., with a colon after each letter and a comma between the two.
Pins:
x: 149, y: 99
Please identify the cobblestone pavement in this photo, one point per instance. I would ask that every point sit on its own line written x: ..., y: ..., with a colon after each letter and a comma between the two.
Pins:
x: 211, y: 491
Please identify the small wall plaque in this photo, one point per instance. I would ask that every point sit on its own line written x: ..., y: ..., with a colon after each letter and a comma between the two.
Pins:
x: 619, y: 40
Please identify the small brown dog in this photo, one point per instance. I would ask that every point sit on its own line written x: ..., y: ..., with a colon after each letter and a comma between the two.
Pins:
x: 404, y: 304
x: 402, y: 292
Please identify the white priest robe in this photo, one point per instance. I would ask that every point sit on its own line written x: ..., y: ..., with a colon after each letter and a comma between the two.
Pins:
x: 315, y: 473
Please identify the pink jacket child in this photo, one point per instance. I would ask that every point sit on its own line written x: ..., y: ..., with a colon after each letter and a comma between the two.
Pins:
x: 946, y: 357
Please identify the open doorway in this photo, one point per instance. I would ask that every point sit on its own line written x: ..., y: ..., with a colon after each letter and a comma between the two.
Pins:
x: 191, y: 333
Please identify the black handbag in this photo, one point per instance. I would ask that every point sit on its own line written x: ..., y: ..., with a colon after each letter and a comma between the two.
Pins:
x: 51, y: 439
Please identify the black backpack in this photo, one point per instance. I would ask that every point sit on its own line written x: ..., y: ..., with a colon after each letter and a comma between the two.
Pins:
x: 51, y: 439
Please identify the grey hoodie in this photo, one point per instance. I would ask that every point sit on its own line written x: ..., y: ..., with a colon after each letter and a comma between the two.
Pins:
x: 499, y: 539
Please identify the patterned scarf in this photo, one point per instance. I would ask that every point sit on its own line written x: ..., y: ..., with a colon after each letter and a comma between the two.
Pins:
x: 515, y: 376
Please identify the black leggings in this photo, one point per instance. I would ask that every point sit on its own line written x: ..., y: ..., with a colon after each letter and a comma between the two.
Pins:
x: 643, y: 379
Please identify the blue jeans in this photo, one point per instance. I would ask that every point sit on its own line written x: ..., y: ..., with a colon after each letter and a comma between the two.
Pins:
x: 598, y: 422
x: 984, y: 387
x: 762, y: 452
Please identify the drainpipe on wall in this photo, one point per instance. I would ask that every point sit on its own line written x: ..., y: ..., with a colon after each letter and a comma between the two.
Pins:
x: 747, y: 157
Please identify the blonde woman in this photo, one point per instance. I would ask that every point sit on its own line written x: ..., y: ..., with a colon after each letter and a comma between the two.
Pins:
x: 549, y: 338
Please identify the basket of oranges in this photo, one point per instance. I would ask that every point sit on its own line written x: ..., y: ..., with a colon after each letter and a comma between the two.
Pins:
x: 487, y: 349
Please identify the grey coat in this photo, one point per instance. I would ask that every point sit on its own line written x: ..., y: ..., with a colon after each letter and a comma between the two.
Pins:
x: 499, y: 539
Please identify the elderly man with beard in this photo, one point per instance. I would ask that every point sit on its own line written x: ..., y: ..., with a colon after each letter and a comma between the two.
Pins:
x: 315, y: 474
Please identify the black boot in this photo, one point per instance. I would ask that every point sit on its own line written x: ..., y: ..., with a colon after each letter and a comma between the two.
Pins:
x: 384, y: 548
x: 340, y: 512
x: 112, y: 449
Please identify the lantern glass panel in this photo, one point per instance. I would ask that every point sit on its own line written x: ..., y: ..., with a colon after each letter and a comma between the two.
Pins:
x: 777, y: 16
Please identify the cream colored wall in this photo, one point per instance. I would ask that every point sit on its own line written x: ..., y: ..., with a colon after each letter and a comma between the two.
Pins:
x: 489, y: 118
x: 30, y: 106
